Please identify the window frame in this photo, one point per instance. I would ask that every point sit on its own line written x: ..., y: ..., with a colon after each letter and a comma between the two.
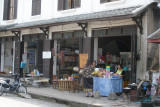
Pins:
x: 64, y: 5
x: 37, y: 10
x: 10, y: 9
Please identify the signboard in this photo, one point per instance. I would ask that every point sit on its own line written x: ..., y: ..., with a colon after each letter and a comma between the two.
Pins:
x: 47, y: 55
x: 83, y: 59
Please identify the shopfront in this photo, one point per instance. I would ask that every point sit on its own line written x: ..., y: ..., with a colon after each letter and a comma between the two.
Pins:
x: 113, y: 46
x: 33, y: 49
x: 67, y: 48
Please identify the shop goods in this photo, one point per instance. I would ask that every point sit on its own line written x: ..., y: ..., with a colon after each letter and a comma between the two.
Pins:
x: 126, y: 90
x: 100, y: 74
x: 81, y: 72
x: 76, y: 69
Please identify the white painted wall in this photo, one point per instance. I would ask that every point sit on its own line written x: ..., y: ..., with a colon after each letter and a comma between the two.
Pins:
x: 49, y: 9
x: 2, y: 56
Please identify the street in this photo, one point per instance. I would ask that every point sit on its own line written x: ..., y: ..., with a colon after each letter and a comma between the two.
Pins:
x: 15, y: 101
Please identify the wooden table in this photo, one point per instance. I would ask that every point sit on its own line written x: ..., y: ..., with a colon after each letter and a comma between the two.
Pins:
x: 68, y: 85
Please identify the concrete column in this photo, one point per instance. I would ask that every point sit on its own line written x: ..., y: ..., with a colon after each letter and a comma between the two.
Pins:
x: 95, y: 48
x: 142, y: 47
x: 2, y: 55
x: 89, y: 30
x: 50, y: 34
x: 55, y: 58
x: 13, y: 57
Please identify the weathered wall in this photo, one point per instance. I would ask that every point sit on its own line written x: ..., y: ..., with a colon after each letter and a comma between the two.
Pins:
x: 153, y: 51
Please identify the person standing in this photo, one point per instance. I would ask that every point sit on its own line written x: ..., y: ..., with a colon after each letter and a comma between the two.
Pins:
x: 88, y: 78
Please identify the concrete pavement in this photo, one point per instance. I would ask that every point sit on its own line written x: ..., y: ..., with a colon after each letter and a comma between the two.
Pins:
x: 13, y: 101
x: 76, y: 99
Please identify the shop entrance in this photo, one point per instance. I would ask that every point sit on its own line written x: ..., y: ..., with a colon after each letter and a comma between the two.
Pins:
x: 114, y: 50
x: 67, y: 56
x: 117, y: 45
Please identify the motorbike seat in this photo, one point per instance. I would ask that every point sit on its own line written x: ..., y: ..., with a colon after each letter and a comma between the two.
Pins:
x: 8, y: 81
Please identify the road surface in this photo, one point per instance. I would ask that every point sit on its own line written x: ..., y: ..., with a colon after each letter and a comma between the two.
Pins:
x: 15, y: 101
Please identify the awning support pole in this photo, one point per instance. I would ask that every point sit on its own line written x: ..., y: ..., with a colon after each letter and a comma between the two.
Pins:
x: 17, y: 34
x: 84, y: 28
x: 45, y: 31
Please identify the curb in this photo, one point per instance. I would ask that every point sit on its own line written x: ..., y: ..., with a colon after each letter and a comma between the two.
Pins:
x: 61, y: 101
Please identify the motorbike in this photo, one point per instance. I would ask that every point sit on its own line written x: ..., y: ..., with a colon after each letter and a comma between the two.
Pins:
x: 15, y: 87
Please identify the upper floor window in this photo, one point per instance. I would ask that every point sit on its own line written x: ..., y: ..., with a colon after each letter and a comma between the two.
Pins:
x: 36, y: 7
x: 10, y: 9
x: 105, y: 1
x: 68, y: 4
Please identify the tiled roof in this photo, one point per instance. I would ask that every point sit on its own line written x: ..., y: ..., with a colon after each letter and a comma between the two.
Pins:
x: 4, y: 27
x: 122, y: 12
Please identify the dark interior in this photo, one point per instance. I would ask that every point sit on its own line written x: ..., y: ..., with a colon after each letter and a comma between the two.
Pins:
x: 115, y: 45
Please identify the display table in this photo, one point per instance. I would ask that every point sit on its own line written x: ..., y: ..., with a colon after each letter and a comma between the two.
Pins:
x: 107, y: 85
x: 39, y: 80
x: 35, y: 77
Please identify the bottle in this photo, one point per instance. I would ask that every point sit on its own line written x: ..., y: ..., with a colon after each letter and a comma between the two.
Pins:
x: 37, y: 72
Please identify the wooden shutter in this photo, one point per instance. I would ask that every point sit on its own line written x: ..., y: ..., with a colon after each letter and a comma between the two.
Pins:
x: 6, y: 10
x: 77, y: 3
x: 15, y: 9
x: 60, y: 4
x: 36, y: 7
x: 17, y: 57
x: 103, y: 1
x: 46, y: 62
x: 40, y: 60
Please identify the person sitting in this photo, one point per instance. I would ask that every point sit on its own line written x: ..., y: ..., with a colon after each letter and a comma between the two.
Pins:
x: 120, y: 71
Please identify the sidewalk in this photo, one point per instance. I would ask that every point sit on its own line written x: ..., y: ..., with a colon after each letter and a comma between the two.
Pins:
x: 76, y: 99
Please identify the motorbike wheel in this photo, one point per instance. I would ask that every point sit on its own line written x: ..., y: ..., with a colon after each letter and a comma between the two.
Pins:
x: 1, y: 90
x: 22, y: 89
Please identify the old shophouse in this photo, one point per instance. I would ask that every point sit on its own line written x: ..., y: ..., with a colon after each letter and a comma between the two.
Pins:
x: 32, y: 30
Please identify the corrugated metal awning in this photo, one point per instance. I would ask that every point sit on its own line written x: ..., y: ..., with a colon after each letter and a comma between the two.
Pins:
x: 154, y: 37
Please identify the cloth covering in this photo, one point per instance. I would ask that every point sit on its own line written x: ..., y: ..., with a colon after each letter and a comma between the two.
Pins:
x: 107, y: 85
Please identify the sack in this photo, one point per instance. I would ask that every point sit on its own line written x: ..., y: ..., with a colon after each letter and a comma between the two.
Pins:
x: 81, y: 72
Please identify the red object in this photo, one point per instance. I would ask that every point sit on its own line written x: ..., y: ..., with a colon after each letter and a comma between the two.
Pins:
x: 62, y: 57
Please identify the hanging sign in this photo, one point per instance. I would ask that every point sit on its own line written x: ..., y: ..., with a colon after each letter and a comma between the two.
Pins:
x: 46, y: 54
x: 83, y: 60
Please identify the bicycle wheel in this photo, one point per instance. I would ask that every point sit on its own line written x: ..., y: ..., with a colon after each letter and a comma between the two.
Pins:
x: 22, y: 89
x: 1, y: 90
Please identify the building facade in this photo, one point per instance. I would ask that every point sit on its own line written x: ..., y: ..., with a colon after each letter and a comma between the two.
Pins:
x: 67, y: 27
